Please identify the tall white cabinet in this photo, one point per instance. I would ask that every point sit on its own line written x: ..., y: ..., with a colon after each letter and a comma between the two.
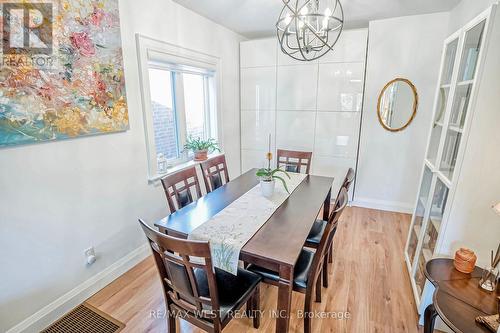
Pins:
x: 461, y: 77
x: 309, y: 106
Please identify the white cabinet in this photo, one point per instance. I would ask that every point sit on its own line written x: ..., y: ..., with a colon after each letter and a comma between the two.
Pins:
x: 258, y: 88
x: 258, y: 74
x: 297, y: 87
x: 311, y: 106
x: 341, y: 87
x: 459, y: 82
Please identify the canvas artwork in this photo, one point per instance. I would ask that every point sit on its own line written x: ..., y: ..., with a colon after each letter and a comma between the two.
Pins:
x: 61, y: 75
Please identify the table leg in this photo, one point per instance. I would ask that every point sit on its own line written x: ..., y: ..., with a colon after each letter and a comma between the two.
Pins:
x: 429, y: 319
x: 284, y: 299
x: 326, y: 215
x: 326, y: 206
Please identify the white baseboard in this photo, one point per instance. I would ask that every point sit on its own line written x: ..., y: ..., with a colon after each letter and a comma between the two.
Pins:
x: 391, y: 206
x: 51, y: 312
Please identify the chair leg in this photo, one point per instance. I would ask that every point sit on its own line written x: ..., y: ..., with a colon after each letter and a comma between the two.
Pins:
x: 325, y: 273
x: 170, y: 321
x: 330, y: 254
x: 249, y: 307
x: 429, y: 318
x: 256, y: 307
x: 307, y: 312
x: 318, y: 288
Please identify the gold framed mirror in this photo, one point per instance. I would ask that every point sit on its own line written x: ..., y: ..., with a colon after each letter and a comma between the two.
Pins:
x: 397, y: 104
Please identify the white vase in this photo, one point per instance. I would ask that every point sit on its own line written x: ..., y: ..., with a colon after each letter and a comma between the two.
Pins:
x: 267, y: 188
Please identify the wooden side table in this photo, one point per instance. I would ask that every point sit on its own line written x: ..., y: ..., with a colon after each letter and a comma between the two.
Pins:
x: 457, y: 300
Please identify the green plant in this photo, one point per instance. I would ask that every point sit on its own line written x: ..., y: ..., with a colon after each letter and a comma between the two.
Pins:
x: 267, y: 175
x: 197, y: 144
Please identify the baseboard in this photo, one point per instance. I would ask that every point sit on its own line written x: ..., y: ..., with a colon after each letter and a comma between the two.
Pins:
x: 391, y: 206
x: 51, y: 312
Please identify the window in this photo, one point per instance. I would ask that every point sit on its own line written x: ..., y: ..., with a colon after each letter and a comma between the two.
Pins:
x: 180, y: 104
x: 179, y: 100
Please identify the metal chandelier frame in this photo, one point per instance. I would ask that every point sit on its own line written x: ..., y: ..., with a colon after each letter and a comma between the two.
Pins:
x: 307, y: 36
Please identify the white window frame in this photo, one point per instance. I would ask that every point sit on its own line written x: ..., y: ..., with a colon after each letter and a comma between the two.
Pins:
x: 167, y: 56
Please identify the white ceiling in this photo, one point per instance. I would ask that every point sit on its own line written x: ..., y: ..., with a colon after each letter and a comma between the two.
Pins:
x: 256, y: 18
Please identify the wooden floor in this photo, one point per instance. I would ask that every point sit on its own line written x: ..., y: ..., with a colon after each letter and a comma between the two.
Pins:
x: 368, y: 280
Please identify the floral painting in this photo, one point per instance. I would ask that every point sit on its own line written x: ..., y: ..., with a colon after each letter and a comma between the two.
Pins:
x: 78, y: 89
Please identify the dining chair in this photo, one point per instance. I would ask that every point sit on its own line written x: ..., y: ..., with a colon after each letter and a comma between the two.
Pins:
x: 179, y: 188
x: 318, y: 227
x: 215, y: 172
x: 294, y: 160
x: 348, y: 179
x: 309, y: 265
x: 206, y: 297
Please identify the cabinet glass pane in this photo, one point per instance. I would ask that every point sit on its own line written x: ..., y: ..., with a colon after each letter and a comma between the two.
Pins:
x: 419, y: 213
x: 450, y: 153
x: 461, y: 99
x: 470, y: 53
x: 437, y: 127
x: 437, y: 208
x: 449, y: 62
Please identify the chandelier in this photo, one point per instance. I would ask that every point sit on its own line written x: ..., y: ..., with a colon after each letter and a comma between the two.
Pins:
x: 308, y: 29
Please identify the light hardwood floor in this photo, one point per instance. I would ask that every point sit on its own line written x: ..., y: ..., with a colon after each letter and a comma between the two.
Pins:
x: 368, y: 279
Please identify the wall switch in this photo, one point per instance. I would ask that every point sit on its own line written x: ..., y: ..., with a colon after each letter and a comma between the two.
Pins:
x: 90, y: 255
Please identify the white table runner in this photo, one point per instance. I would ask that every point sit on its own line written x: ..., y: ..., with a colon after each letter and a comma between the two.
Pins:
x: 230, y: 229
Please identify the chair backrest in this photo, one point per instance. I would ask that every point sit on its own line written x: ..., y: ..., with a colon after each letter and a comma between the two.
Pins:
x: 182, y: 276
x: 294, y: 161
x: 349, y: 179
x: 179, y: 188
x: 215, y: 172
x: 327, y: 238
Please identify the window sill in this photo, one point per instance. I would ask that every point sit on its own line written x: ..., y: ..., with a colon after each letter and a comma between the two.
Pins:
x: 181, y: 166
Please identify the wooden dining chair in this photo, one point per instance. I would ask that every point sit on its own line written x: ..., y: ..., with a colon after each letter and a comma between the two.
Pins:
x: 348, y: 179
x: 215, y: 172
x: 294, y: 161
x: 309, y: 265
x: 179, y: 188
x: 318, y: 227
x: 206, y: 297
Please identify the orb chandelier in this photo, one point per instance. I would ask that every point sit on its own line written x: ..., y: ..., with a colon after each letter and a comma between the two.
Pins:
x: 308, y: 29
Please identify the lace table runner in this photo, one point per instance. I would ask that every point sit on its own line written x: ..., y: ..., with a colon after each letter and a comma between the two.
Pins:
x: 230, y: 229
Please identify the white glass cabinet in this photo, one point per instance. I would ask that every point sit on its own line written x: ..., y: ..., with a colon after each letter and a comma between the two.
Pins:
x: 453, y: 109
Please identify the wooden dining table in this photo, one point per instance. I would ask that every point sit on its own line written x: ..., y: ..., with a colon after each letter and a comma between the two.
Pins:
x: 278, y: 243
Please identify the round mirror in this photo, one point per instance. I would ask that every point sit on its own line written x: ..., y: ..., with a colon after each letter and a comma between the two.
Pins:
x: 397, y: 104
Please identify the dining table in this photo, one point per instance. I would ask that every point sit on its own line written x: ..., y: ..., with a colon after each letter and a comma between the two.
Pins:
x: 278, y: 243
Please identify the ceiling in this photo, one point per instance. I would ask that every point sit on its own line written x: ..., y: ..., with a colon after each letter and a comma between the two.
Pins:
x: 256, y: 18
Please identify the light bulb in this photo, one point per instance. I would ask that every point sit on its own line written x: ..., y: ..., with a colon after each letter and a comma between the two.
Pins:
x: 304, y: 10
x: 301, y: 25
x: 325, y: 23
x: 288, y: 19
x: 328, y: 12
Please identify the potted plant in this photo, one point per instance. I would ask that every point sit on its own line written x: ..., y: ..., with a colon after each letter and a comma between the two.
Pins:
x: 268, y: 178
x: 200, y: 147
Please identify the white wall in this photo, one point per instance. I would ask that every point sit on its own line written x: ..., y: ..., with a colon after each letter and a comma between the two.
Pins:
x: 59, y: 198
x: 465, y: 11
x: 472, y: 222
x: 390, y: 163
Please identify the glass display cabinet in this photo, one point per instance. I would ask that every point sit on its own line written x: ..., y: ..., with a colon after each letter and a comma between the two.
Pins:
x: 453, y: 108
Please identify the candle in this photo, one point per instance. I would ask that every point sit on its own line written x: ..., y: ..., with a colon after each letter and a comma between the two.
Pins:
x: 269, y: 155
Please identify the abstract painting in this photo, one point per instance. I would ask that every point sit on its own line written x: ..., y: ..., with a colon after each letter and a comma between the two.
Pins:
x: 77, y: 87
